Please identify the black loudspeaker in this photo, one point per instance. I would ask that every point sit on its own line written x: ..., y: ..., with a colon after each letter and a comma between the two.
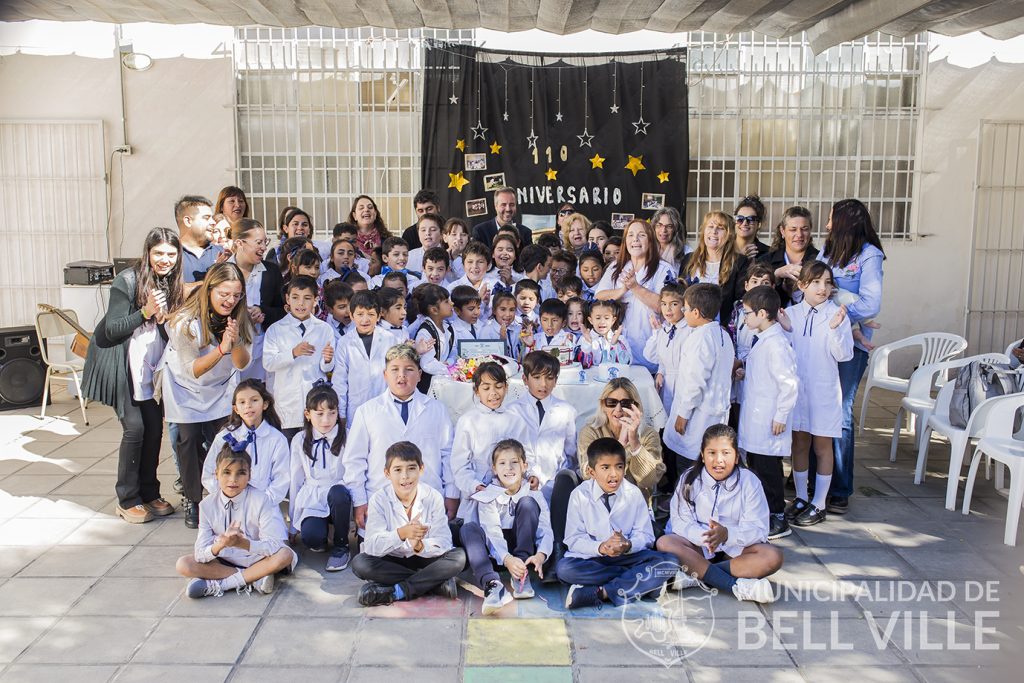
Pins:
x: 22, y: 370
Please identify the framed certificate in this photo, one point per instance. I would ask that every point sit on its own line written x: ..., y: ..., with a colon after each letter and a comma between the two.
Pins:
x: 471, y: 348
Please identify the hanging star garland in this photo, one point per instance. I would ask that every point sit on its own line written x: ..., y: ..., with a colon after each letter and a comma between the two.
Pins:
x: 585, y: 139
x: 458, y: 181
x: 558, y: 116
x: 615, y: 87
x: 495, y: 148
x: 479, y: 131
x: 453, y: 99
x: 663, y: 177
x: 640, y: 125
x: 531, y: 140
x: 460, y: 145
x: 597, y: 161
x: 551, y: 174
x: 635, y: 164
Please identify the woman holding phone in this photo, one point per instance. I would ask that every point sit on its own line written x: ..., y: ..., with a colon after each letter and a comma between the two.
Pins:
x: 126, y: 348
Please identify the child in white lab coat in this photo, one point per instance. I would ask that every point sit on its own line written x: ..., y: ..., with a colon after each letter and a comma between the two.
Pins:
x: 719, y: 523
x: 769, y: 394
x: 822, y: 338
x: 359, y: 366
x: 408, y: 549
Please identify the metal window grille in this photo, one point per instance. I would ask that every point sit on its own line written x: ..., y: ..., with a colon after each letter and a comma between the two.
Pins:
x: 326, y: 114
x: 995, y: 301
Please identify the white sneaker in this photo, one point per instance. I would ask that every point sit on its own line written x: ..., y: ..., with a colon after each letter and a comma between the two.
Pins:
x: 524, y: 591
x: 684, y: 581
x: 265, y: 585
x: 496, y: 598
x: 754, y: 590
x: 201, y: 588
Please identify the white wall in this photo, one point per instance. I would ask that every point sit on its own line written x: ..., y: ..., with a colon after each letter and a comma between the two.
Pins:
x: 179, y: 119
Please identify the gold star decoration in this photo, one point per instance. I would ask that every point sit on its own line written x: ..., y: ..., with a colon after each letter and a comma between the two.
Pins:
x: 495, y: 148
x: 635, y: 164
x: 597, y: 161
x: 460, y: 145
x: 551, y: 173
x: 663, y: 177
x: 458, y: 181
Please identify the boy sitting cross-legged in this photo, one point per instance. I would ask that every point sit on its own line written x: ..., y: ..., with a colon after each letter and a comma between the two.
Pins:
x: 609, y: 535
x: 408, y: 548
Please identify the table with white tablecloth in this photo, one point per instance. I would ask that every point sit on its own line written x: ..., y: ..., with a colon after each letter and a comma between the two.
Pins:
x: 458, y: 396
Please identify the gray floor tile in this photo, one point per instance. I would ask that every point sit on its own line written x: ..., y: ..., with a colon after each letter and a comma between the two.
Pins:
x: 306, y: 674
x: 52, y: 673
x: 17, y: 633
x: 90, y: 640
x: 40, y: 597
x: 128, y: 596
x: 71, y: 561
x: 146, y: 673
x: 313, y: 642
x: 438, y: 641
x: 198, y: 640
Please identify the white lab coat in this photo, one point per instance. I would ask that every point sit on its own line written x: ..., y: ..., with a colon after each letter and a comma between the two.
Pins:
x: 378, y: 424
x: 269, y: 454
x: 665, y: 352
x: 313, y: 477
x: 359, y: 377
x: 769, y: 394
x: 636, y: 327
x: 819, y: 350
x: 703, y: 390
x: 386, y: 515
x: 260, y: 520
x: 289, y: 378
x: 188, y: 399
x: 588, y: 523
x: 738, y: 503
x: 495, y: 514
x: 554, y: 439
x: 476, y: 433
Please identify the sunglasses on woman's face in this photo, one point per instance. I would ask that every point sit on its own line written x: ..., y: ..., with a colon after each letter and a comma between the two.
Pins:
x: 745, y: 219
x: 565, y: 212
x: 626, y: 403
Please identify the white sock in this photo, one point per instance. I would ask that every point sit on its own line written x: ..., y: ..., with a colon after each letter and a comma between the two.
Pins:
x: 800, y: 481
x: 232, y: 582
x: 821, y: 484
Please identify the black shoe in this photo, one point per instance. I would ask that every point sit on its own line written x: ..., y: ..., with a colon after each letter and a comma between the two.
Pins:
x: 838, y: 505
x: 795, y: 508
x: 178, y: 486
x: 448, y: 590
x: 810, y: 516
x: 373, y: 594
x: 191, y: 510
x: 778, y: 527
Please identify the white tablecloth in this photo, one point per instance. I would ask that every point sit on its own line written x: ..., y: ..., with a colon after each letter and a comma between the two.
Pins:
x: 458, y: 396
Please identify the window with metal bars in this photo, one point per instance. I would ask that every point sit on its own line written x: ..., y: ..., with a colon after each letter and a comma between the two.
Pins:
x: 326, y: 114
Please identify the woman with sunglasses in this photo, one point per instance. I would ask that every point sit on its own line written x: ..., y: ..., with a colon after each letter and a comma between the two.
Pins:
x: 749, y: 215
x: 562, y: 220
x: 620, y: 415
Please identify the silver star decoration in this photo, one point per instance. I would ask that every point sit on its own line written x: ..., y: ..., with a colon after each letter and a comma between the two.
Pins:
x: 453, y: 99
x: 531, y: 140
x: 585, y: 139
x: 614, y: 108
x: 558, y: 116
x: 641, y: 126
x: 479, y: 131
x: 505, y: 116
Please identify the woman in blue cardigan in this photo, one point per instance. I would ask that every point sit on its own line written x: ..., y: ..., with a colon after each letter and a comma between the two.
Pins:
x: 126, y: 348
x: 854, y: 252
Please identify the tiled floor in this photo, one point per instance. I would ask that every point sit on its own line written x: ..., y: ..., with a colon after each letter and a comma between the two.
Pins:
x: 898, y: 590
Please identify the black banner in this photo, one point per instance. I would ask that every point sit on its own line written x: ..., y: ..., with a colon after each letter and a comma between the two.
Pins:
x: 607, y: 133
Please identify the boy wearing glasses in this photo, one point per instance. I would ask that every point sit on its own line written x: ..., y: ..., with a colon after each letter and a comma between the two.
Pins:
x: 769, y: 395
x: 704, y: 379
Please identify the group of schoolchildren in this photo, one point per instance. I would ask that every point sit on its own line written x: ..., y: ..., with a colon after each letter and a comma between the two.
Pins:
x: 342, y: 429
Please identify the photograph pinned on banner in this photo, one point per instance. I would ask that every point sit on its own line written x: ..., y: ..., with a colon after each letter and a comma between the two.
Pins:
x: 621, y: 220
x: 494, y: 181
x: 476, y: 162
x: 476, y: 207
x: 650, y: 201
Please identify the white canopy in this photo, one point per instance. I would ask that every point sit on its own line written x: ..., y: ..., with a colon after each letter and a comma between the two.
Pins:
x: 827, y: 22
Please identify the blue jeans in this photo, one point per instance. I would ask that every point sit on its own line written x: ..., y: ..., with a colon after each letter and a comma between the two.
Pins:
x: 521, y: 540
x: 850, y: 374
x: 624, y: 577
x: 314, y: 529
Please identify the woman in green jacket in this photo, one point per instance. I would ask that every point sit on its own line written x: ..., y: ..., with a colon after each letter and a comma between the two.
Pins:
x: 126, y: 350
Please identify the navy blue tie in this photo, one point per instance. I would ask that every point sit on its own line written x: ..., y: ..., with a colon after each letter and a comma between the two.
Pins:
x: 341, y: 329
x: 472, y: 330
x: 404, y: 407
x: 540, y: 412
x: 753, y: 342
x: 606, y: 498
x: 302, y: 329
x: 671, y: 333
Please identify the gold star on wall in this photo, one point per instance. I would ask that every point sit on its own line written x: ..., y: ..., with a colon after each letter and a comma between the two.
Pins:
x: 460, y: 145
x: 635, y: 164
x: 551, y: 174
x: 495, y: 148
x: 458, y: 181
x: 663, y: 177
x: 597, y: 161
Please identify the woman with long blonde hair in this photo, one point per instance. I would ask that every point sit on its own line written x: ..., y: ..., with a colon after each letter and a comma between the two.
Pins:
x: 209, y: 344
x: 716, y: 260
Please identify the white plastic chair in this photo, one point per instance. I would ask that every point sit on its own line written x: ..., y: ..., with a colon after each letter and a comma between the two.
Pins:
x: 50, y: 325
x: 1000, y: 445
x: 919, y: 402
x: 935, y: 348
x: 1009, y: 353
x: 958, y: 438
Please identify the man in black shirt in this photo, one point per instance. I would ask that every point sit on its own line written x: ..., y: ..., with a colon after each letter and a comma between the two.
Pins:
x: 425, y: 201
x: 505, y: 214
